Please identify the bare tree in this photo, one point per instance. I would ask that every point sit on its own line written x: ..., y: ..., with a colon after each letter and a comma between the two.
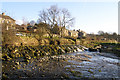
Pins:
x: 25, y: 21
x: 101, y: 32
x: 65, y: 19
x: 55, y: 16
x: 32, y: 23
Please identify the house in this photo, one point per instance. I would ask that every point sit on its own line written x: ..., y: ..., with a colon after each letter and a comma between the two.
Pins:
x: 32, y: 28
x: 24, y: 26
x: 7, y: 21
x: 78, y: 33
x: 63, y: 31
x: 81, y: 33
x: 73, y: 33
x: 21, y: 27
x: 103, y: 39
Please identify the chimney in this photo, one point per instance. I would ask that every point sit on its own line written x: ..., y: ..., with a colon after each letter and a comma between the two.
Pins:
x: 3, y: 13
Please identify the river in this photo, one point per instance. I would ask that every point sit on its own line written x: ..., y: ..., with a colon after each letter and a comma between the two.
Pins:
x: 99, y: 65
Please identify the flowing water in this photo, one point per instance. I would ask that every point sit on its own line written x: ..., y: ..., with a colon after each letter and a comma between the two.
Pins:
x: 101, y: 65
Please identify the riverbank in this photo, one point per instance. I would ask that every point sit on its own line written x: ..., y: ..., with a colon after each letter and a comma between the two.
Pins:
x: 13, y: 56
x: 45, y: 67
x: 111, y: 48
x: 29, y: 52
x: 47, y: 62
x: 81, y: 65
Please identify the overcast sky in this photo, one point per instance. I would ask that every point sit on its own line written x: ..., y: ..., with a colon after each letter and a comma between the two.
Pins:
x: 89, y: 16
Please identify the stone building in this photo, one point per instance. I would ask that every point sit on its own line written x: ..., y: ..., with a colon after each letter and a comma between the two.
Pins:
x: 78, y: 33
x: 63, y: 31
x: 21, y: 27
x: 73, y: 33
x: 81, y: 33
x: 32, y: 28
x: 7, y: 21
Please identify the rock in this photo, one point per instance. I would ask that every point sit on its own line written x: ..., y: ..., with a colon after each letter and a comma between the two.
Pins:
x: 17, y: 55
x: 92, y: 50
x: 33, y: 68
x: 4, y: 77
x: 90, y: 71
x: 18, y: 67
x: 3, y: 59
x: 16, y: 63
x: 6, y: 57
x: 61, y: 77
x: 15, y: 50
x: 61, y: 51
x: 47, y: 53
x: 40, y: 60
x: 43, y: 75
x: 13, y: 68
x: 27, y: 60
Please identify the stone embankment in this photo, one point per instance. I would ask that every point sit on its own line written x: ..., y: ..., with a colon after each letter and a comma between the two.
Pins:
x: 29, y: 52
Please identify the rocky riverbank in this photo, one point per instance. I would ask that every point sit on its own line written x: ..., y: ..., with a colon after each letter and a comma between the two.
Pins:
x: 81, y: 65
x: 27, y: 61
x: 29, y: 52
x: 45, y: 67
x: 111, y: 48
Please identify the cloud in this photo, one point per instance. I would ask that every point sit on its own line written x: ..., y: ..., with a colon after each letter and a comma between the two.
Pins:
x: 19, y: 22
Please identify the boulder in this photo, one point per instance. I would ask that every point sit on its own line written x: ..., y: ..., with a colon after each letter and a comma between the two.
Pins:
x: 16, y: 63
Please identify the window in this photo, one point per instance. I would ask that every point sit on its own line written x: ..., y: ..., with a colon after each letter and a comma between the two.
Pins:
x: 3, y: 21
x: 7, y: 21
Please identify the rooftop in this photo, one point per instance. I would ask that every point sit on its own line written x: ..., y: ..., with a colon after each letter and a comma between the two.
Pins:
x: 6, y: 17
